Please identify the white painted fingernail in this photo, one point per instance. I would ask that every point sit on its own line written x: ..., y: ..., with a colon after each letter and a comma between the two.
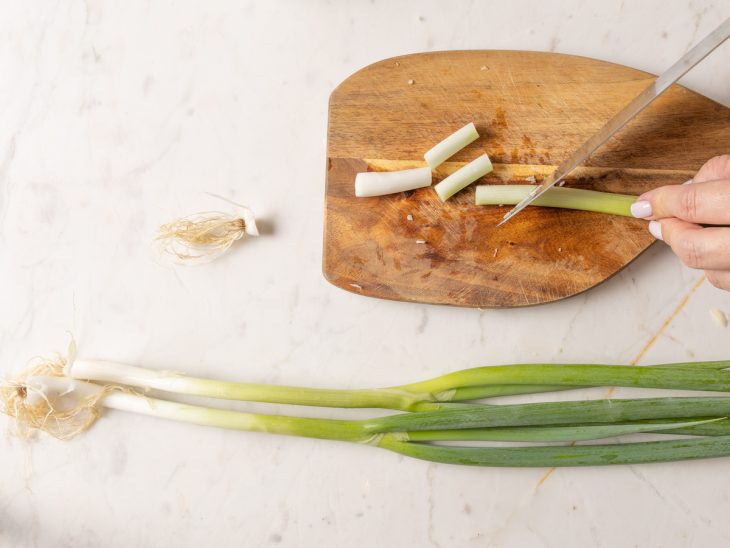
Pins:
x: 688, y: 182
x: 641, y: 209
x: 656, y: 229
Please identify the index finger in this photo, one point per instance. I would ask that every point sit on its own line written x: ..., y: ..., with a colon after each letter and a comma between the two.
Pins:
x: 700, y: 203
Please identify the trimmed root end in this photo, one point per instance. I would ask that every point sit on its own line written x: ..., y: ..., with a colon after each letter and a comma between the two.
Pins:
x: 39, y: 413
x: 201, y: 236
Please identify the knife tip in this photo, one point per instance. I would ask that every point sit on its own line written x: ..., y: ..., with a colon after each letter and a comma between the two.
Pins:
x: 504, y: 220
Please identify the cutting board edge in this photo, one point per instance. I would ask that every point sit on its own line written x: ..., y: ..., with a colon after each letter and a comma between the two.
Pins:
x: 446, y: 51
x: 329, y: 276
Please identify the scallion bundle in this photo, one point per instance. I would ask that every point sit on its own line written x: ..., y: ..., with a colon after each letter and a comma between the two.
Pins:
x: 64, y: 398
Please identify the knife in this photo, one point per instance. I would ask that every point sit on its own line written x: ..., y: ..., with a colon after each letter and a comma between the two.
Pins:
x: 639, y: 103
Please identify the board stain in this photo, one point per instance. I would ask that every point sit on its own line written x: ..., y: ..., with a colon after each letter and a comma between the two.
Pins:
x: 500, y: 119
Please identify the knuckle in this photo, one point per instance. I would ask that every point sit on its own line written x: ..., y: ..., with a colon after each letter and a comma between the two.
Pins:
x: 714, y: 169
x: 689, y: 203
x: 691, y: 252
x: 712, y: 278
x: 717, y: 280
x: 720, y: 166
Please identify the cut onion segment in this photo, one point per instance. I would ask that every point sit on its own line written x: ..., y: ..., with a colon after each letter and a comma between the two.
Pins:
x: 463, y: 177
x: 451, y: 145
x: 378, y: 183
x: 569, y: 198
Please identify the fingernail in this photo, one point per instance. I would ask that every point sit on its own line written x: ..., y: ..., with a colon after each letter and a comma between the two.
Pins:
x: 688, y: 182
x: 641, y: 209
x: 656, y: 229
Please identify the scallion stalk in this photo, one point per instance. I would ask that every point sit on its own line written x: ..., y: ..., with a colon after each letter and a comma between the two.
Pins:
x: 555, y: 413
x: 562, y: 197
x: 479, y: 392
x: 331, y: 429
x: 580, y: 432
x: 66, y: 406
x: 451, y: 145
x: 465, y: 385
x: 463, y: 177
x: 579, y: 375
x: 170, y: 381
x: 379, y: 183
x: 552, y: 456
x: 718, y: 428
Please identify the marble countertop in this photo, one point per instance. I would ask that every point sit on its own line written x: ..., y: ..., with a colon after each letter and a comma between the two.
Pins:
x: 117, y: 116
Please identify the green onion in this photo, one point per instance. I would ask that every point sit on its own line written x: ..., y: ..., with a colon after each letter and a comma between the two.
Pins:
x: 65, y: 407
x: 379, y: 183
x: 551, y: 456
x: 713, y: 428
x: 463, y: 177
x: 62, y: 405
x: 330, y: 429
x: 479, y: 392
x: 555, y: 413
x: 465, y: 385
x: 555, y: 433
x: 168, y: 381
x: 451, y: 145
x: 568, y: 198
x: 676, y: 377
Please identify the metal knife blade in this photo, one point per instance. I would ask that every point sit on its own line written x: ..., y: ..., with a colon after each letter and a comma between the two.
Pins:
x: 638, y: 104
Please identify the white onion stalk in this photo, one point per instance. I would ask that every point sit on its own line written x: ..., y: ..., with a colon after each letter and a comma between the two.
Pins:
x: 463, y: 177
x: 451, y: 145
x: 379, y: 183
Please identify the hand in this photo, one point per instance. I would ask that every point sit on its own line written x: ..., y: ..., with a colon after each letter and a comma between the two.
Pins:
x: 677, y: 211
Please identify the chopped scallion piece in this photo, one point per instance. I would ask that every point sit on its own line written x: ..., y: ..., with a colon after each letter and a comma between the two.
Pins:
x: 378, y: 183
x: 451, y: 145
x: 463, y: 177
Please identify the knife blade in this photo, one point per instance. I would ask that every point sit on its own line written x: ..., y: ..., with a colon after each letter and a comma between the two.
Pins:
x: 625, y: 115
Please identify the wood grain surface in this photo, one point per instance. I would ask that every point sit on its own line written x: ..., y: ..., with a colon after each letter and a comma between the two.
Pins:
x: 531, y: 110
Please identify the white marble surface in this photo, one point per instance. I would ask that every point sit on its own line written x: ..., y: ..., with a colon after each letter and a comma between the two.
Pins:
x: 116, y: 116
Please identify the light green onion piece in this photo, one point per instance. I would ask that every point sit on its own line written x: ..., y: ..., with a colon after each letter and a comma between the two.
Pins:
x: 463, y: 177
x: 568, y: 198
x: 379, y: 183
x: 451, y: 145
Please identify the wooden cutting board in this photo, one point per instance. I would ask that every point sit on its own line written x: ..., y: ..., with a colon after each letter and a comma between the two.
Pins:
x: 531, y: 110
